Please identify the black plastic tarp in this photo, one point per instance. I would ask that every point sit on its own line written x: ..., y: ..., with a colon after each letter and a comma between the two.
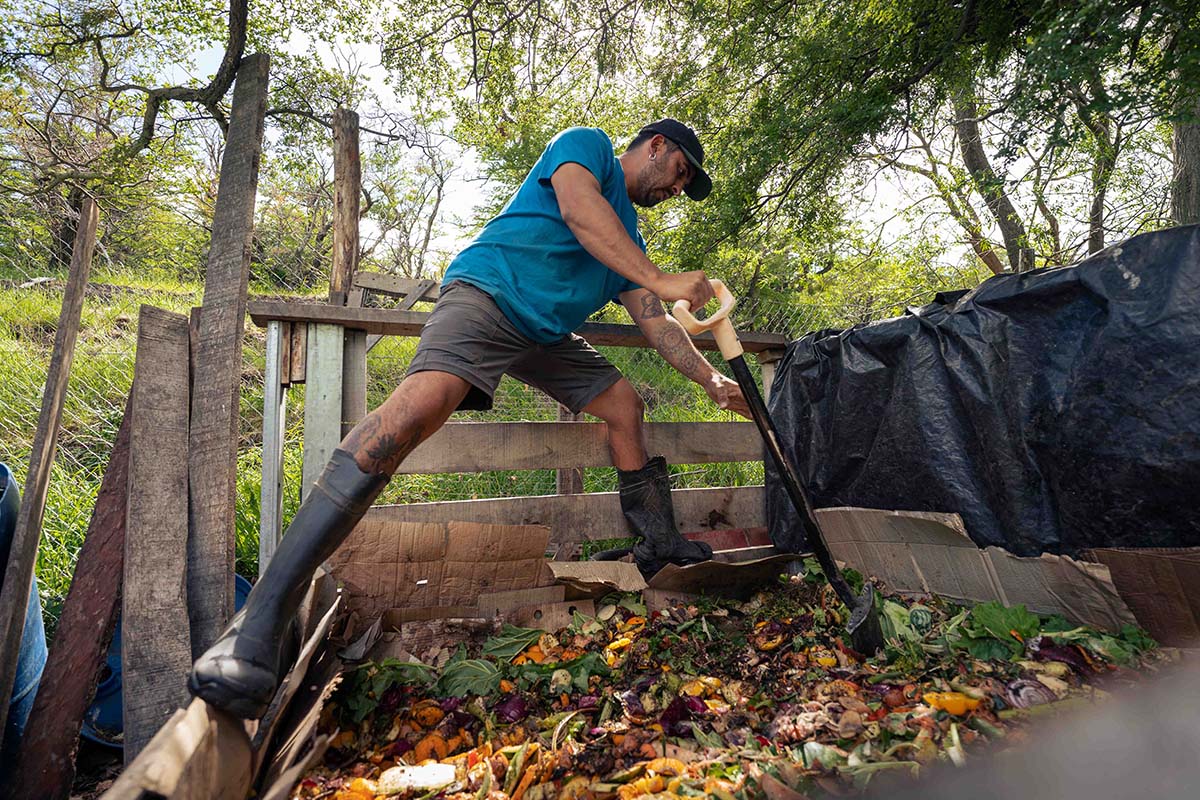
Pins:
x: 1055, y: 410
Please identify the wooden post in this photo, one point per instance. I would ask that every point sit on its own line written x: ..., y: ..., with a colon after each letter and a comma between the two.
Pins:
x: 767, y: 360
x: 297, y: 352
x: 46, y: 760
x: 354, y: 379
x: 156, y: 650
x: 18, y: 575
x: 270, y: 524
x: 569, y: 480
x: 347, y: 189
x: 322, y: 399
x: 212, y: 446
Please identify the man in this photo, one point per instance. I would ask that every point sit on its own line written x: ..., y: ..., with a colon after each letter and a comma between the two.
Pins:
x: 565, y: 245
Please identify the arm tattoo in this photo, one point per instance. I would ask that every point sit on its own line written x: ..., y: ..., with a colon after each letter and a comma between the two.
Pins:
x: 675, y: 346
x: 652, y: 307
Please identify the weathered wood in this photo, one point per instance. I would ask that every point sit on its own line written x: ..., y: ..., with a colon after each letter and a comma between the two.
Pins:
x: 354, y: 379
x: 347, y: 191
x: 584, y: 517
x: 322, y: 400
x: 156, y: 650
x: 409, y: 323
x: 297, y: 352
x: 212, y: 447
x: 46, y: 761
x: 568, y: 480
x: 413, y: 292
x: 482, y: 446
x: 767, y: 361
x: 18, y: 574
x: 270, y: 520
x: 200, y: 752
x: 414, y: 288
x: 292, y: 684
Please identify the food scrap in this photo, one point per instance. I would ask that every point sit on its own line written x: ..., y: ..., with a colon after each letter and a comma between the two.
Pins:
x: 718, y: 698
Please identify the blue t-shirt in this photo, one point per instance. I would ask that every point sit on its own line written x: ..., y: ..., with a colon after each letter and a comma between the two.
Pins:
x: 528, y: 260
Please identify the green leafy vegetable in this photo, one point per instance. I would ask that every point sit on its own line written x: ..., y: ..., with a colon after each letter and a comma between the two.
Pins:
x: 994, y: 631
x: 511, y: 642
x: 1002, y: 622
x: 896, y: 622
x: 580, y: 669
x: 469, y: 676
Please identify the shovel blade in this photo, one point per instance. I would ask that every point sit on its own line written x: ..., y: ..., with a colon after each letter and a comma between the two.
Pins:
x: 866, y: 631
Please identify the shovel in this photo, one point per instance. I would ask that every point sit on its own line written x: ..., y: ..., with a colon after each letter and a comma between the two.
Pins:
x: 866, y: 634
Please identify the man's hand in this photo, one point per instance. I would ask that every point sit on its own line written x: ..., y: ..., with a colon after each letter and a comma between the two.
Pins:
x: 726, y: 393
x: 691, y: 286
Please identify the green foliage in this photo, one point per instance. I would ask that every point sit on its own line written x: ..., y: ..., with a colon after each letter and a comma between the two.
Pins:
x: 994, y: 631
x: 510, y: 642
x: 361, y: 694
x: 469, y: 676
x: 578, y: 671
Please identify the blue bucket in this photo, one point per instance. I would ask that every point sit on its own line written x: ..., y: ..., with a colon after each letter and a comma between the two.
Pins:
x: 31, y: 659
x: 103, y: 722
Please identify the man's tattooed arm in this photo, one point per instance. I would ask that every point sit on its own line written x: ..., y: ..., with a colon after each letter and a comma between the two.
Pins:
x: 652, y: 307
x: 674, y: 345
x: 666, y: 335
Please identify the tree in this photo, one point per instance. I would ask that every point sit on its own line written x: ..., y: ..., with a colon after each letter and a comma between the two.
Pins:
x: 789, y: 94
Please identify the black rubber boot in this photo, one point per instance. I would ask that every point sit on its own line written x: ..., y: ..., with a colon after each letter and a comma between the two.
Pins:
x: 242, y: 670
x: 646, y: 503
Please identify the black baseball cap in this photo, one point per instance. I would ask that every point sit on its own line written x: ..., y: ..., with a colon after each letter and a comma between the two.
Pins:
x: 685, y: 137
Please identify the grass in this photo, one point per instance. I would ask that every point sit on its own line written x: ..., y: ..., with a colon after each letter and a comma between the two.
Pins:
x: 102, y: 373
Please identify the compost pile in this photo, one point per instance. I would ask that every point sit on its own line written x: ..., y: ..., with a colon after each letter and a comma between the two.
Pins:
x: 760, y: 698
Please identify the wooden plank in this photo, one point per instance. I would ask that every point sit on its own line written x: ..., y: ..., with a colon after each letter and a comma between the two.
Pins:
x: 354, y: 379
x: 568, y: 480
x: 580, y: 517
x: 156, y: 651
x: 347, y: 191
x: 422, y: 291
x: 18, y: 574
x: 397, y: 286
x: 195, y: 738
x: 298, y: 352
x: 212, y: 446
x: 413, y: 291
x: 270, y: 521
x: 767, y: 361
x: 409, y: 323
x: 481, y: 446
x: 292, y: 683
x: 322, y: 400
x: 46, y: 761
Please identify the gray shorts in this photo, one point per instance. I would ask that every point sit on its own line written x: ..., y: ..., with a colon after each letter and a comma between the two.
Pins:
x: 468, y: 335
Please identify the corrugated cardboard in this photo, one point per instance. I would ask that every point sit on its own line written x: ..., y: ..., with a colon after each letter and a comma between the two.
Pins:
x: 930, y: 553
x: 420, y: 631
x: 553, y: 617
x: 597, y: 578
x: 1162, y: 588
x: 721, y: 579
x: 386, y: 565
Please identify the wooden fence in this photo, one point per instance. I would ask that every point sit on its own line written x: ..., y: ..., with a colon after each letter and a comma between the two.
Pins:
x: 325, y: 347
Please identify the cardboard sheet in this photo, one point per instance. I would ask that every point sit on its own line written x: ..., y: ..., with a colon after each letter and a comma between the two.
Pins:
x: 721, y: 579
x: 930, y: 553
x: 408, y: 565
x: 595, y: 579
x: 1162, y: 588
